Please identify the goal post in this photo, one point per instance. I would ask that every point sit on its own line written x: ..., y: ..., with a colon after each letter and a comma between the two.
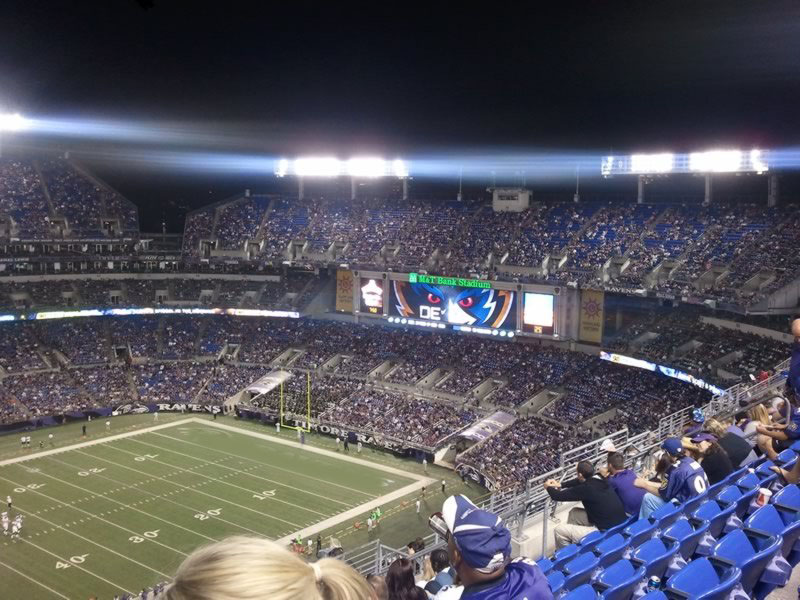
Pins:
x: 281, y: 413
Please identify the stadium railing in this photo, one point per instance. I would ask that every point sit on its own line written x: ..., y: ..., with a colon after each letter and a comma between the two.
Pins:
x: 522, y: 509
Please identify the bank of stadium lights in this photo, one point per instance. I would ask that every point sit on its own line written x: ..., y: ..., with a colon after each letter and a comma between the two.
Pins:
x: 362, y: 167
x: 707, y: 162
x: 13, y: 122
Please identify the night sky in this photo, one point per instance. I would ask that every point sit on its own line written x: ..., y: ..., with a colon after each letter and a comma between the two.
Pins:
x: 262, y: 77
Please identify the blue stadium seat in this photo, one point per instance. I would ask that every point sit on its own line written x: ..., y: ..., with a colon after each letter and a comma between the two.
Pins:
x: 704, y: 579
x: 583, y: 592
x: 545, y: 564
x: 777, y: 520
x: 691, y: 504
x: 716, y: 514
x: 688, y: 533
x: 788, y: 496
x: 654, y: 555
x: 757, y: 479
x: 590, y: 539
x: 656, y: 595
x: 619, y: 580
x: 787, y: 456
x: 563, y: 555
x: 739, y: 496
x: 619, y: 528
x: 579, y: 570
x: 611, y: 549
x: 556, y: 580
x: 666, y: 515
x: 639, y: 531
x: 751, y: 551
x: 713, y: 490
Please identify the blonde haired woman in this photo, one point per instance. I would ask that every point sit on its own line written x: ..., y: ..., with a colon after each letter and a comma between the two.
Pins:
x: 245, y: 568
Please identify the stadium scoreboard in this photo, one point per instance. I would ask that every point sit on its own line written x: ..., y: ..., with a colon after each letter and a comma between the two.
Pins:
x: 473, y: 306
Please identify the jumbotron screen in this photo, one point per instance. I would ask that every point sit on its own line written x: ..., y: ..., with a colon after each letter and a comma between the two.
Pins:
x: 473, y: 306
x: 538, y: 315
x: 371, y: 293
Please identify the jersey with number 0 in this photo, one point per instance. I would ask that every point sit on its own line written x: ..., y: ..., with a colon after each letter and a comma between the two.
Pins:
x: 686, y: 480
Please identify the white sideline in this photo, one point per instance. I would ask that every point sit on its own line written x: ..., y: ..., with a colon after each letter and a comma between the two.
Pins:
x: 103, y: 440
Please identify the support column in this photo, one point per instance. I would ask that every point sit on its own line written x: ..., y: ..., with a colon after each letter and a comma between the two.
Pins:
x: 300, y: 188
x: 405, y: 188
x: 353, y: 188
x: 709, y: 195
x: 773, y: 189
x: 640, y: 190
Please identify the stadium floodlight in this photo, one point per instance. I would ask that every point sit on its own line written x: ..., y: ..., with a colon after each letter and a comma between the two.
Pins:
x: 399, y: 168
x: 715, y: 161
x: 652, y: 163
x: 13, y: 122
x: 367, y: 167
x: 283, y: 168
x: 315, y: 166
x: 757, y: 161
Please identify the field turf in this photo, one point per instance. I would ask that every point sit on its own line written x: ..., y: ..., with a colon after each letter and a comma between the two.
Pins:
x: 120, y: 509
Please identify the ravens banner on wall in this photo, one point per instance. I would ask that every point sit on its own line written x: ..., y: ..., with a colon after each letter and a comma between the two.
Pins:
x: 480, y: 307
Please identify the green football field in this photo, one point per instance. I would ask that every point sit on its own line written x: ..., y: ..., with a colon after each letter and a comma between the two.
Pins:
x: 120, y: 509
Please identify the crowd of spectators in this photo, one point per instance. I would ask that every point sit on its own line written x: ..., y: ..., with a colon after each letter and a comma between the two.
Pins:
x: 170, y: 382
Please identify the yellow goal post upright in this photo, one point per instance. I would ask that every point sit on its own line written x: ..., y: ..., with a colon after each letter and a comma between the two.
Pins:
x: 307, y: 428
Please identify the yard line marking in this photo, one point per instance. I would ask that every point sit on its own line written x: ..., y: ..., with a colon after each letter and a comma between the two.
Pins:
x: 258, y: 512
x: 122, y: 503
x: 279, y: 441
x: 56, y: 526
x: 286, y: 485
x: 220, y: 481
x: 95, y: 575
x: 165, y: 499
x: 110, y: 438
x: 36, y: 581
x: 96, y: 517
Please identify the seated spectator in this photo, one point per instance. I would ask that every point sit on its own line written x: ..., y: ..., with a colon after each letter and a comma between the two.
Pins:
x: 444, y: 573
x: 400, y: 581
x: 602, y: 508
x: 714, y: 460
x: 776, y: 438
x: 684, y: 479
x: 479, y: 549
x: 756, y: 416
x: 735, y: 446
x: 243, y: 568
x: 621, y: 481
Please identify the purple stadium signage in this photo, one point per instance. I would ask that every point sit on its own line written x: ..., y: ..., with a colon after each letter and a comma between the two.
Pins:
x: 486, y: 428
x: 136, y: 408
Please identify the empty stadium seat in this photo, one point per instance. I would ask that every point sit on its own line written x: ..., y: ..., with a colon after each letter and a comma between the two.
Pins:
x: 563, y: 555
x: 654, y: 555
x: 619, y: 580
x: 639, y: 531
x: 778, y: 520
x: 591, y: 538
x: 742, y: 497
x: 789, y: 496
x: 579, y: 570
x: 556, y: 580
x: 688, y: 533
x: 757, y: 479
x: 665, y: 515
x: 583, y: 592
x: 716, y: 514
x: 611, y: 549
x: 704, y: 579
x: 752, y: 551
x: 691, y: 504
x: 545, y: 564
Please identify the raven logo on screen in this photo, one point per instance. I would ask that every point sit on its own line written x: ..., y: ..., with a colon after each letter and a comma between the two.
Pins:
x: 456, y: 305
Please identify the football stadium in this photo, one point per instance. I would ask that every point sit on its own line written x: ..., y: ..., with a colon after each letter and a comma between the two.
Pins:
x: 239, y: 360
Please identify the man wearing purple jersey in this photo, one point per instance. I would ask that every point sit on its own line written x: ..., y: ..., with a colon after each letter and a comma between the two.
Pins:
x: 479, y: 549
x: 685, y: 479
